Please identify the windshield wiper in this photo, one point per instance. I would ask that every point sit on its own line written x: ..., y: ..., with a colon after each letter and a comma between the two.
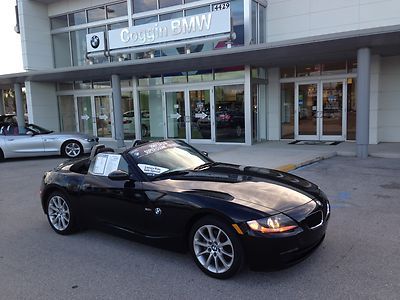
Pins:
x: 204, y: 166
x: 171, y: 173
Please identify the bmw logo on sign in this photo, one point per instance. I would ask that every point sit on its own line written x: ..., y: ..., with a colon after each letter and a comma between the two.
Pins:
x: 95, y: 42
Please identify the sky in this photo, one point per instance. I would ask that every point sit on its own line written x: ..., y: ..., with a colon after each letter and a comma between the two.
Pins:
x: 10, y: 49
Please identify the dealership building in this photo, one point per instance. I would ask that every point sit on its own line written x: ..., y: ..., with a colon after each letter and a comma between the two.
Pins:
x: 239, y: 71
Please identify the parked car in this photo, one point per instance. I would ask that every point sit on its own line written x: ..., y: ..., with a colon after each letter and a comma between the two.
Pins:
x: 38, y: 141
x: 128, y: 120
x: 224, y: 214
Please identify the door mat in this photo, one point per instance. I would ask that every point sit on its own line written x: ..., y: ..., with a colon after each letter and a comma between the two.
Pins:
x: 329, y: 143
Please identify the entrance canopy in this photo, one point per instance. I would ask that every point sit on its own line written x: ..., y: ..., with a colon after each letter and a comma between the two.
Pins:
x: 384, y: 41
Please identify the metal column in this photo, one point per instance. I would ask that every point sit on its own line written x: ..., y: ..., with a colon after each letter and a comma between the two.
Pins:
x: 363, y: 97
x: 1, y: 103
x: 118, y: 122
x: 19, y: 104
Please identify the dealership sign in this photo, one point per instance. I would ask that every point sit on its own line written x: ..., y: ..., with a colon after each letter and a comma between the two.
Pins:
x: 215, y: 22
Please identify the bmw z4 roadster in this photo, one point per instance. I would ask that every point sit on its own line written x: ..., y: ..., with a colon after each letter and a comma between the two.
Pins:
x: 225, y: 214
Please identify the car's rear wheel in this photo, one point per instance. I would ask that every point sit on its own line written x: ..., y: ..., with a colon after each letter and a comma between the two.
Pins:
x: 60, y: 214
x: 71, y: 149
x: 216, y: 248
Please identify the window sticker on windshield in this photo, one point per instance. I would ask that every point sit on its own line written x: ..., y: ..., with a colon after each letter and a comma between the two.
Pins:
x: 152, y: 170
x: 106, y: 163
x: 152, y: 148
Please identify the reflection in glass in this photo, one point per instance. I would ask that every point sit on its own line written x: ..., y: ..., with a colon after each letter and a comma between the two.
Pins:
x: 167, y: 3
x: 67, y: 113
x: 128, y: 116
x: 332, y: 101
x: 85, y: 115
x: 237, y: 12
x: 351, y: 108
x: 78, y: 43
x: 176, y: 125
x: 254, y: 22
x: 118, y: 25
x: 170, y: 16
x: 262, y: 15
x: 117, y: 10
x: 197, y: 10
x: 96, y: 14
x: 59, y: 22
x: 308, y: 95
x: 229, y: 113
x: 287, y: 111
x: 151, y: 114
x: 200, y: 114
x: 62, y: 53
x: 144, y: 5
x: 229, y: 73
x: 103, y: 116
x: 146, y: 20
x: 77, y: 18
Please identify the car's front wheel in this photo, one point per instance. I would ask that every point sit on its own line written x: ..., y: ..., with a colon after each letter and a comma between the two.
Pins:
x: 216, y: 248
x: 71, y: 149
x: 60, y: 214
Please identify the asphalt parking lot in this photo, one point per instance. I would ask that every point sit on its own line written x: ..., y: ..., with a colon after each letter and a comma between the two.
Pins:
x: 360, y: 257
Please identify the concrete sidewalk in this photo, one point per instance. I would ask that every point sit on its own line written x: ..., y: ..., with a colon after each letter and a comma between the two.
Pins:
x: 284, y: 156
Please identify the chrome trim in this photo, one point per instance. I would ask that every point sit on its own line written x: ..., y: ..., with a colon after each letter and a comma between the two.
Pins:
x: 322, y: 220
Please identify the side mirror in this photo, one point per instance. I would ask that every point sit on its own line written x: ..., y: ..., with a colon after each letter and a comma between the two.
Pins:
x: 118, y: 175
x: 205, y: 153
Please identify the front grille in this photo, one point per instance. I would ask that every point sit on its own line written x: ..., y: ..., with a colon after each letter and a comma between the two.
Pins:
x: 315, y: 219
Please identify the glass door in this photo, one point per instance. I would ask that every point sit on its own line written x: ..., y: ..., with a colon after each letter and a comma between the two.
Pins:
x: 306, y: 112
x: 85, y: 120
x: 175, y: 110
x: 103, y: 116
x: 333, y: 108
x: 201, y: 115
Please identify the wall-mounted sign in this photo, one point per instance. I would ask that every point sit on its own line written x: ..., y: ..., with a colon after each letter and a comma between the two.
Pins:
x: 95, y: 42
x: 206, y: 24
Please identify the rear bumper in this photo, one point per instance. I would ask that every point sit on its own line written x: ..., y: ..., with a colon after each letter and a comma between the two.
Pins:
x: 278, y: 251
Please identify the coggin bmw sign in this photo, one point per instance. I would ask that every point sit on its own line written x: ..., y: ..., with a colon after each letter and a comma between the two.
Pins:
x: 215, y: 22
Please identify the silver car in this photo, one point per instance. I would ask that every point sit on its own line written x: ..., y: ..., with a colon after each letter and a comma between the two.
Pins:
x: 37, y: 141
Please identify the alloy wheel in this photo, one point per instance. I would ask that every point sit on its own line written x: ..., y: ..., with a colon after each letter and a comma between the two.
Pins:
x: 58, y: 212
x: 213, y: 249
x: 72, y: 149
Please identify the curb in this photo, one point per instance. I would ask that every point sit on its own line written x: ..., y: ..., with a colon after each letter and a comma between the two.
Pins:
x: 291, y: 167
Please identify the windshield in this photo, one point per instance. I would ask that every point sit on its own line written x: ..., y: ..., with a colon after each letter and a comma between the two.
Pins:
x: 168, y: 156
x: 37, y: 129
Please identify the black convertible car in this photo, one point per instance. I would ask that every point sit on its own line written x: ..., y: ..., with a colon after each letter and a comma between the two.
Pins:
x: 225, y: 214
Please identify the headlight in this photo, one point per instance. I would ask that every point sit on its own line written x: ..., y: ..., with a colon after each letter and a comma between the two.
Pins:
x: 275, y: 224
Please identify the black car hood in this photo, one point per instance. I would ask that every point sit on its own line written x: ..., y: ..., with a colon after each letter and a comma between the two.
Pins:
x: 263, y: 189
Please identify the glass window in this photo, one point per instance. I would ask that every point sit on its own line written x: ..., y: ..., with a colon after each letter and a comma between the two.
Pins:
x: 254, y: 22
x: 65, y: 86
x: 62, y: 51
x: 118, y: 25
x: 262, y: 23
x: 170, y: 16
x: 103, y: 115
x: 59, y: 22
x: 287, y: 110
x: 128, y: 116
x: 351, y: 108
x: 117, y: 10
x: 229, y: 73
x: 66, y: 109
x: 352, y: 66
x: 77, y: 18
x: 175, y: 78
x: 151, y: 114
x: 78, y: 43
x: 101, y: 84
x: 333, y: 68
x: 237, y: 12
x: 167, y: 3
x: 197, y: 10
x: 126, y: 83
x: 96, y: 14
x: 287, y: 72
x: 83, y: 85
x: 146, y: 20
x: 229, y: 113
x: 150, y: 80
x: 199, y: 76
x: 308, y: 70
x: 144, y: 5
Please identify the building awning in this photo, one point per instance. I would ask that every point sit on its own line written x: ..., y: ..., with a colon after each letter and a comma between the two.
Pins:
x: 384, y: 41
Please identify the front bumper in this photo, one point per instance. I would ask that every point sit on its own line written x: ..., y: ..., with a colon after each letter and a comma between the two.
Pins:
x: 87, y: 146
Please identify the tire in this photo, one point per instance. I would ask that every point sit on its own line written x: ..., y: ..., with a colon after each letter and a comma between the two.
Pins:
x: 71, y: 149
x: 216, y: 248
x: 1, y: 155
x: 60, y: 213
x: 145, y: 131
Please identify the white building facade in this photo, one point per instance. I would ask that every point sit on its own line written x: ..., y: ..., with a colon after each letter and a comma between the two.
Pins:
x: 239, y: 71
